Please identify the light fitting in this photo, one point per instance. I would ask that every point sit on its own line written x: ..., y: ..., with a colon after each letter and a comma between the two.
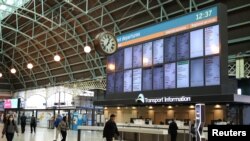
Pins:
x: 29, y: 65
x: 87, y: 49
x: 1, y: 74
x: 13, y: 70
x: 57, y: 58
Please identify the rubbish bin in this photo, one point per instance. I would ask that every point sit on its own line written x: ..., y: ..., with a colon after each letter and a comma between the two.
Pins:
x: 51, y: 124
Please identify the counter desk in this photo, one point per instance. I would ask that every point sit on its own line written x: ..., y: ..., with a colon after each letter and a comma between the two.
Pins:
x: 133, y: 132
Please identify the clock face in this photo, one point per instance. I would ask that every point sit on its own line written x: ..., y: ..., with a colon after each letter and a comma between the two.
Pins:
x: 106, y: 43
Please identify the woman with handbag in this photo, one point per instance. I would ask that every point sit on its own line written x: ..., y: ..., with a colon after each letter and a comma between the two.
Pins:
x: 9, y: 129
x: 63, y: 127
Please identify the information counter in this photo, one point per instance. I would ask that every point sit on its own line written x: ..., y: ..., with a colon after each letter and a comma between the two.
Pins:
x: 131, y: 132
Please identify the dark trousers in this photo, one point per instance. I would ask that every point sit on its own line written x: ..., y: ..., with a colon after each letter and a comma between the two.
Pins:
x: 9, y: 136
x: 23, y: 128
x: 109, y: 139
x: 64, y: 134
x: 173, y: 137
x: 32, y: 127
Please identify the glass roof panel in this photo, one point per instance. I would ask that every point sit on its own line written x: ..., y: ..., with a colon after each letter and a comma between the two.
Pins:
x: 7, y: 7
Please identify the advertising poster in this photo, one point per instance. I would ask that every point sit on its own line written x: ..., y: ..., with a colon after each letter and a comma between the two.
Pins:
x: 43, y: 117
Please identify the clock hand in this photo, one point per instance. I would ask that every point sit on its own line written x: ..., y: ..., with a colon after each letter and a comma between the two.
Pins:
x: 108, y: 42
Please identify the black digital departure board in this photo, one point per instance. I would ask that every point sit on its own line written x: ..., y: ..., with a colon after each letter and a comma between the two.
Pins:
x: 147, y: 54
x: 128, y: 58
x: 183, y: 63
x: 147, y: 79
x: 170, y: 49
x: 137, y: 56
x: 184, y: 60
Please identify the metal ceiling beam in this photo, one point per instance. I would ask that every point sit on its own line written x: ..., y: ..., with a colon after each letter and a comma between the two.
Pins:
x: 192, y: 2
x: 75, y: 72
x: 238, y: 8
x: 110, y: 16
x: 182, y: 7
x: 62, y: 52
x: 238, y: 40
x: 20, y: 78
x: 146, y: 7
x: 24, y: 34
x: 45, y: 47
x: 86, y: 14
x: 88, y: 54
x: 31, y: 38
x: 41, y: 24
x: 45, y: 39
x: 74, y: 64
x: 163, y: 11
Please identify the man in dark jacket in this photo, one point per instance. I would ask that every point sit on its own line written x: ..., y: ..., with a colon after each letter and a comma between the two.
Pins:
x: 172, y: 130
x: 33, y: 124
x: 110, y: 129
x: 23, y: 122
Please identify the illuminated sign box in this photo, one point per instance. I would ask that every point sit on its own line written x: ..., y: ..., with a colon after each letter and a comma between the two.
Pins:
x: 11, y: 103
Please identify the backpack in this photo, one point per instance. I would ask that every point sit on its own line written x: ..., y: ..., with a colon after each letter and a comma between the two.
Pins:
x: 57, y: 121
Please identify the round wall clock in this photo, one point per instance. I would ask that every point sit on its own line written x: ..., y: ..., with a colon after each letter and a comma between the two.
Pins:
x: 105, y: 43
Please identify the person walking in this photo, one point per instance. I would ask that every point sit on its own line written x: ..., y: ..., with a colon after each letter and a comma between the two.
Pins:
x: 56, y: 123
x: 33, y: 124
x: 110, y: 129
x: 172, y: 130
x: 63, y: 127
x: 192, y: 131
x: 23, y: 122
x: 9, y: 129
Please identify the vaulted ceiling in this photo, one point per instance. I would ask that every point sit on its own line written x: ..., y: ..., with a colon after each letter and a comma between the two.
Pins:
x: 38, y: 30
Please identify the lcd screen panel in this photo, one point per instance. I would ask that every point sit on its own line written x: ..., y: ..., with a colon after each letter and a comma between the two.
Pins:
x: 196, y: 43
x: 128, y: 58
x: 197, y: 72
x: 147, y: 79
x: 158, y: 51
x: 137, y: 56
x: 119, y: 82
x: 111, y: 83
x: 182, y: 74
x: 170, y: 49
x: 147, y: 54
x: 212, y: 40
x: 110, y: 63
x: 119, y: 56
x: 183, y: 46
x: 158, y: 78
x: 212, y: 70
x: 137, y: 78
x: 170, y: 76
x: 10, y: 103
x: 127, y: 81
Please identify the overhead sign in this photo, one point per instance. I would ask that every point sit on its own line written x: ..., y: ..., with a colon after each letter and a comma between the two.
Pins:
x: 186, y: 22
x: 87, y: 93
x: 165, y: 99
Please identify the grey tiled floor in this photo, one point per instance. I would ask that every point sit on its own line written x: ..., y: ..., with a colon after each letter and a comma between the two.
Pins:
x: 44, y: 134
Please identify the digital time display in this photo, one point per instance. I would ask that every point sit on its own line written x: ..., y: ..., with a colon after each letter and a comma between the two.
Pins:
x: 204, y: 14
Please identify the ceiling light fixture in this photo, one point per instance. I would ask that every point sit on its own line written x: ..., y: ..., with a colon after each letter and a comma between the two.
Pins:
x: 29, y: 65
x: 13, y: 70
x: 57, y: 58
x: 87, y: 49
x: 1, y: 74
